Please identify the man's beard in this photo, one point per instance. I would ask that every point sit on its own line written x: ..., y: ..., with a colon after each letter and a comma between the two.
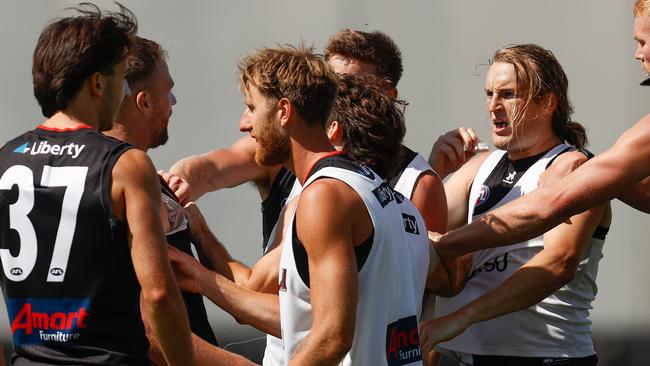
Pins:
x: 273, y: 145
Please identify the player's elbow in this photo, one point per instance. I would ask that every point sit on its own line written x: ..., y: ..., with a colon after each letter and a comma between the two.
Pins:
x: 564, y: 270
x: 157, y: 297
x: 338, y: 346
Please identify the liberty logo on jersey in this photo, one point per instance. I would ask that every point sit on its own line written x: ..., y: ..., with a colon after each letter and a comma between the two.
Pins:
x: 403, y: 342
x: 44, y: 148
x: 37, y: 321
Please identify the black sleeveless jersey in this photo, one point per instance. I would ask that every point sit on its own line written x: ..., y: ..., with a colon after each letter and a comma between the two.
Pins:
x: 272, y: 205
x: 179, y: 237
x: 66, y: 270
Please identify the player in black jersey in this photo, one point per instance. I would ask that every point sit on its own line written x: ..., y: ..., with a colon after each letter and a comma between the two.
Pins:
x: 142, y: 121
x: 81, y: 243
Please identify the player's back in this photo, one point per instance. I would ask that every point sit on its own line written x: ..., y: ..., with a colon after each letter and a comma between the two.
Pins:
x: 67, y: 276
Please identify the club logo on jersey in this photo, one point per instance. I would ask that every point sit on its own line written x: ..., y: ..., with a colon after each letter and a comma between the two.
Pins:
x: 39, y: 321
x: 366, y: 172
x: 410, y: 224
x: 483, y: 195
x: 44, y: 148
x: 403, y: 342
x: 384, y: 194
x: 510, y: 178
x: 283, y: 280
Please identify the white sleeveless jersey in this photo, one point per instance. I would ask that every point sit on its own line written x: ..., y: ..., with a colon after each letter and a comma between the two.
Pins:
x: 558, y: 326
x: 406, y: 182
x: 388, y: 305
x: 274, y: 351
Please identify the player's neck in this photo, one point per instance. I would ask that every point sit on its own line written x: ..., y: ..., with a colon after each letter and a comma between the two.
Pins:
x: 305, y: 153
x: 70, y: 120
x: 121, y: 132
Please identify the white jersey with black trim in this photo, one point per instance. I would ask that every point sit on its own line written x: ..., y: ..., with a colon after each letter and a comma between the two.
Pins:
x: 407, y: 179
x: 417, y: 239
x: 388, y: 305
x: 558, y: 326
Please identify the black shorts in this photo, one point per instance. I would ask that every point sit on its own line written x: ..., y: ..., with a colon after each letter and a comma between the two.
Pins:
x: 480, y: 360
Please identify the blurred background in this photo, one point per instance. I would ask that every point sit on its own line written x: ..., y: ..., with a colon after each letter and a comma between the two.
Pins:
x: 445, y: 46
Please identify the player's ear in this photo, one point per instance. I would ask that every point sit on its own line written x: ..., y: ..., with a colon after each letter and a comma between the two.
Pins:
x: 335, y: 133
x: 142, y: 102
x: 97, y: 84
x: 285, y: 111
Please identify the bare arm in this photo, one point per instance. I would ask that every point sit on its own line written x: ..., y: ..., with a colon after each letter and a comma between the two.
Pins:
x: 260, y: 310
x: 205, y: 354
x: 224, y: 168
x: 545, y: 273
x: 263, y: 277
x: 598, y: 180
x: 638, y: 196
x: 329, y: 235
x: 136, y: 195
x: 429, y: 198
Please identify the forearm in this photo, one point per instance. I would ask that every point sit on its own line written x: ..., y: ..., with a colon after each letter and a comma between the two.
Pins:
x: 639, y: 196
x: 530, y: 284
x: 318, y: 349
x: 195, y: 170
x: 215, y: 255
x: 167, y: 319
x: 515, y: 222
x: 259, y: 310
x: 205, y: 354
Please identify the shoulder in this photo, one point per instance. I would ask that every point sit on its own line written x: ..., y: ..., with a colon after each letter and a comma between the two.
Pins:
x: 329, y: 197
x: 133, y: 164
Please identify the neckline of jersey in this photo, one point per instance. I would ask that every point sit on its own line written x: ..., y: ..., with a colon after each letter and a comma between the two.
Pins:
x: 81, y: 126
x: 332, y: 153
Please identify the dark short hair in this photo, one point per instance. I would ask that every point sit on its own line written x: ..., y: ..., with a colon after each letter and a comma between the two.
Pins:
x: 295, y: 73
x: 375, y: 48
x: 373, y: 124
x: 71, y: 49
x: 142, y: 60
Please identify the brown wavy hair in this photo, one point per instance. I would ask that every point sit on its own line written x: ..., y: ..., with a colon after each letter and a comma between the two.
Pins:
x: 375, y: 48
x: 373, y: 124
x: 71, y: 49
x: 539, y: 73
x: 295, y: 73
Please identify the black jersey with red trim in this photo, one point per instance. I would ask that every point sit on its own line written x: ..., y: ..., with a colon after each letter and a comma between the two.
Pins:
x: 272, y: 205
x: 181, y: 240
x: 66, y: 271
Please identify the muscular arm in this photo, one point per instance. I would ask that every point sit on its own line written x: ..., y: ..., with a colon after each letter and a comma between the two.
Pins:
x: 553, y: 267
x: 638, y: 196
x: 429, y: 198
x: 329, y: 235
x: 205, y: 354
x: 260, y: 310
x: 224, y: 168
x: 136, y: 196
x: 263, y: 277
x: 598, y: 180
